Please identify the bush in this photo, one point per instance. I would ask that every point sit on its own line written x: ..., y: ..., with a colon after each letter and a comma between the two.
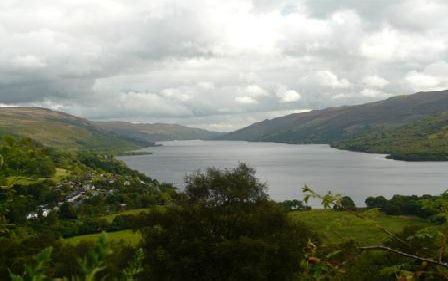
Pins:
x: 402, y: 205
x: 346, y: 204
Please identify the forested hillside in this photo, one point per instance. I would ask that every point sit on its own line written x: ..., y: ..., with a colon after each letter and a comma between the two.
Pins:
x: 423, y: 139
x: 47, y: 195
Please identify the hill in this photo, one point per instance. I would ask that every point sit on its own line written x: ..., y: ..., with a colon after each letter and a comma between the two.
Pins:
x: 156, y: 132
x: 409, y: 127
x: 334, y: 124
x: 61, y: 130
x: 425, y: 139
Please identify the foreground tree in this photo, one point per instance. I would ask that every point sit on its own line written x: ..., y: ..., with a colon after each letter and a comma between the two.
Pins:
x: 224, y: 228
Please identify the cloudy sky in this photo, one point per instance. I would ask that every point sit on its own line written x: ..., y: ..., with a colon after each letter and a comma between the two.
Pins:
x: 217, y: 64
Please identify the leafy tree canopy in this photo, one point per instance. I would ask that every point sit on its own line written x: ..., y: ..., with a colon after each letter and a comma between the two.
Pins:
x: 224, y: 228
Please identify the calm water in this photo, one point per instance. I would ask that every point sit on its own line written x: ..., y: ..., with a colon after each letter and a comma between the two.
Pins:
x: 286, y: 168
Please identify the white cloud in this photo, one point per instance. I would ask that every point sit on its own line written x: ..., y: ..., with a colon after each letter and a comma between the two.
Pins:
x: 139, y: 102
x: 175, y: 93
x: 438, y: 68
x: 288, y: 96
x: 251, y: 94
x: 346, y: 17
x: 206, y: 85
x: 245, y: 99
x: 7, y: 105
x: 419, y: 14
x: 29, y: 61
x: 374, y: 93
x: 421, y: 80
x: 185, y: 61
x: 375, y: 81
x: 327, y: 78
x: 391, y: 44
x: 255, y: 91
x: 432, y: 77
x: 341, y: 96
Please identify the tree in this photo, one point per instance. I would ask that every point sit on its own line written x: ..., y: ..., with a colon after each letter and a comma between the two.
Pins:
x: 216, y: 187
x: 294, y: 205
x: 224, y: 227
x: 346, y: 204
x: 67, y: 211
x: 377, y: 202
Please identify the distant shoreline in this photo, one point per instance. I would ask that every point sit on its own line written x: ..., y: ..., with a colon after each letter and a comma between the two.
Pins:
x: 134, y: 153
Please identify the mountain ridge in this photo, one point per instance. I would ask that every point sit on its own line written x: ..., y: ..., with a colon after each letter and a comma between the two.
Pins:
x: 60, y: 130
x: 397, y: 126
x: 335, y: 123
x: 63, y: 130
x: 155, y: 132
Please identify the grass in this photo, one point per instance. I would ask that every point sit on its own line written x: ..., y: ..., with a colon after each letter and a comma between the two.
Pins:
x: 334, y: 227
x: 24, y: 181
x: 111, y: 217
x: 126, y: 236
x: 338, y: 227
x: 60, y: 174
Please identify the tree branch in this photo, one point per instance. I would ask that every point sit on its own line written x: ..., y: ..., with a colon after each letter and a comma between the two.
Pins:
x: 383, y: 229
x: 398, y: 252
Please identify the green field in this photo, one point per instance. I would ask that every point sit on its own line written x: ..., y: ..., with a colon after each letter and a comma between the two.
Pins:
x: 61, y: 174
x: 337, y: 227
x: 24, y: 181
x: 333, y: 226
x: 126, y: 236
x: 111, y: 217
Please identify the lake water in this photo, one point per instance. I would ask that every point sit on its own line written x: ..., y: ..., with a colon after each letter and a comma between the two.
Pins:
x: 287, y: 167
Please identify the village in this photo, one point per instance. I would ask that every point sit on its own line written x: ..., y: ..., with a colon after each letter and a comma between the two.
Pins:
x: 76, y: 191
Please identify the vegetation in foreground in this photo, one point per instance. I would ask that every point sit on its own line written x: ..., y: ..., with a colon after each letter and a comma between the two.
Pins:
x: 127, y: 236
x: 344, y: 226
x: 55, y: 205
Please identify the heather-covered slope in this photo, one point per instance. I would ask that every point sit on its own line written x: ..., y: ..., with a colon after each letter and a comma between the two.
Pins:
x: 61, y: 130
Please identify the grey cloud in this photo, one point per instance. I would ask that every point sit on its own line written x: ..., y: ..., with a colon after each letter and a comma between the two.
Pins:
x: 217, y: 64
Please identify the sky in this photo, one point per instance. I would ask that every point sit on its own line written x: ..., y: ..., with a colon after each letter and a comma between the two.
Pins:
x: 214, y: 64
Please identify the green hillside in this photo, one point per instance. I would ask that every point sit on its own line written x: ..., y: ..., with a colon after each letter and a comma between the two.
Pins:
x: 156, y: 132
x: 60, y: 130
x: 411, y: 127
x: 423, y: 139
